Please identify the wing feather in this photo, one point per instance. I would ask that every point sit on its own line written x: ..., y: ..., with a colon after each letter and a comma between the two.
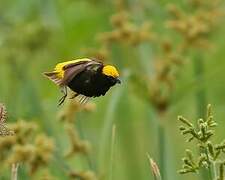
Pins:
x: 70, y: 69
x: 53, y: 76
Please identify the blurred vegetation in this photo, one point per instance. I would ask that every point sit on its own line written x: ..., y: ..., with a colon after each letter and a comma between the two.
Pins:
x: 210, y: 154
x: 170, y: 57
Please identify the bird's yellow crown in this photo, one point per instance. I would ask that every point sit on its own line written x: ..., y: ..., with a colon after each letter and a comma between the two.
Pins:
x: 109, y: 70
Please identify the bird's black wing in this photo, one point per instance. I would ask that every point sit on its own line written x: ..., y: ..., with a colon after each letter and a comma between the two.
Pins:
x: 71, y: 70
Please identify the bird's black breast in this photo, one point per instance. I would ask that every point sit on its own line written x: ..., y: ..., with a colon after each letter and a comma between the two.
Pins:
x: 91, y: 83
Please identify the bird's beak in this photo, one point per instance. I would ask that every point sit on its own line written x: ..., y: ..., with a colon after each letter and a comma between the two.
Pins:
x: 118, y: 81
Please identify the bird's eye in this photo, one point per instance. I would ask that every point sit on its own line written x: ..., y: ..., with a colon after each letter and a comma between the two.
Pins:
x: 110, y: 78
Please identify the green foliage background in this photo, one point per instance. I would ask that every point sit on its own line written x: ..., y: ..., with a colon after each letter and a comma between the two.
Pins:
x: 37, y: 34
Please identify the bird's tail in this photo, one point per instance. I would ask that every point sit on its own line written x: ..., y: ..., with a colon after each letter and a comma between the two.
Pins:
x: 53, y: 76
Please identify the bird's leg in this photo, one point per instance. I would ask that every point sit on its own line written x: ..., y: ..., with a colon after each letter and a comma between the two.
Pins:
x: 62, y: 99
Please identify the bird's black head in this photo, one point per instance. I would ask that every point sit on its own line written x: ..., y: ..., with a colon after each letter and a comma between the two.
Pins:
x: 111, y: 74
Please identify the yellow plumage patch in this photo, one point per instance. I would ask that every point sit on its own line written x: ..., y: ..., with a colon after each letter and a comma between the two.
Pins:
x: 109, y: 70
x: 59, y: 67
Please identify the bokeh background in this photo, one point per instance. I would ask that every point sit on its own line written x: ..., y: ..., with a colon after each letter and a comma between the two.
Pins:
x: 170, y: 55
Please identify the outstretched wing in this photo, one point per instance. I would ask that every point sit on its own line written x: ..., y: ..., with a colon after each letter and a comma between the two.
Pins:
x: 67, y: 72
x: 71, y: 70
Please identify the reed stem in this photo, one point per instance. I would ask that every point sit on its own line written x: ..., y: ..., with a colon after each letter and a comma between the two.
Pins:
x: 162, y: 147
x: 200, y: 92
x: 214, y: 170
x: 14, y: 171
x: 201, y: 100
x: 112, y: 156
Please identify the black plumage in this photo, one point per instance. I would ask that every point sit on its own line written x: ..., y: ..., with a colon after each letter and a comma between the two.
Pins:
x: 91, y: 83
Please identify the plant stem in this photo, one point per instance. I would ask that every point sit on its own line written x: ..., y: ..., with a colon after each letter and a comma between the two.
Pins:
x: 214, y: 170
x: 221, y: 172
x: 200, y: 92
x: 112, y: 152
x: 201, y: 98
x: 162, y: 152
x: 162, y: 145
x: 14, y: 171
x: 108, y: 122
x: 211, y: 171
x: 90, y: 163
